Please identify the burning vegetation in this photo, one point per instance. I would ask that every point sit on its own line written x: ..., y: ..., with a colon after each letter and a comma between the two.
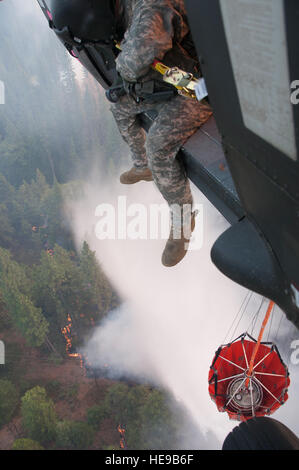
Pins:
x: 122, y: 431
x: 67, y: 333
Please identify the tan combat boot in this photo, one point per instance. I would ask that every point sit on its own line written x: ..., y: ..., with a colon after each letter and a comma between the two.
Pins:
x: 133, y: 176
x: 176, y: 248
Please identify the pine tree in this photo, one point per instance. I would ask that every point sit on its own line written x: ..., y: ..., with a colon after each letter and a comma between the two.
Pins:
x: 38, y: 415
x: 15, y: 288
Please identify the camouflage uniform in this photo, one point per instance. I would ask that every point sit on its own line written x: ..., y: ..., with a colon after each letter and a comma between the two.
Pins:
x: 155, y: 30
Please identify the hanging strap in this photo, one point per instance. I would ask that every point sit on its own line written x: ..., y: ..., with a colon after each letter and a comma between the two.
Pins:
x: 185, y: 83
x: 254, y: 353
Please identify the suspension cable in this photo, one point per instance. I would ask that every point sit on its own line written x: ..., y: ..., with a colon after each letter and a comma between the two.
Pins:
x: 264, y: 324
x: 244, y: 310
x: 254, y: 320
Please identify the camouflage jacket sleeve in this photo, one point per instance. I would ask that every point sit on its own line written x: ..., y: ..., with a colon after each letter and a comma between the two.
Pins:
x: 154, y: 26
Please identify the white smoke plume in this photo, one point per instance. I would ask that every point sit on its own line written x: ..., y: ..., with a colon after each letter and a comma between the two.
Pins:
x: 172, y: 319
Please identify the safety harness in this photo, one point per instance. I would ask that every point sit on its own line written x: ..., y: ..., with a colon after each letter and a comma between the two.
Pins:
x: 185, y: 83
x: 175, y: 81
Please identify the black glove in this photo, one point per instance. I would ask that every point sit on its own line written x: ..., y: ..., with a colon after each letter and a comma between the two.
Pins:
x: 116, y: 91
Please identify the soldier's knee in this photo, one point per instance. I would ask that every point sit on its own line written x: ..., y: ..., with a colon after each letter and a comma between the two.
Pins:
x: 124, y: 107
x: 155, y: 144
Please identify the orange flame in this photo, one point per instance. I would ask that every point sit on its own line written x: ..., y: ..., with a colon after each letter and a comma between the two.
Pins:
x: 66, y: 331
x: 122, y: 434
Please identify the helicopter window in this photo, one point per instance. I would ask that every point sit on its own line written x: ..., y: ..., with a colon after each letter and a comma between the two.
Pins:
x: 257, y: 45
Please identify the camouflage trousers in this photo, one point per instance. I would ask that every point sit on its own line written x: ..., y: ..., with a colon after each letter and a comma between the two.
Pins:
x: 176, y: 121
